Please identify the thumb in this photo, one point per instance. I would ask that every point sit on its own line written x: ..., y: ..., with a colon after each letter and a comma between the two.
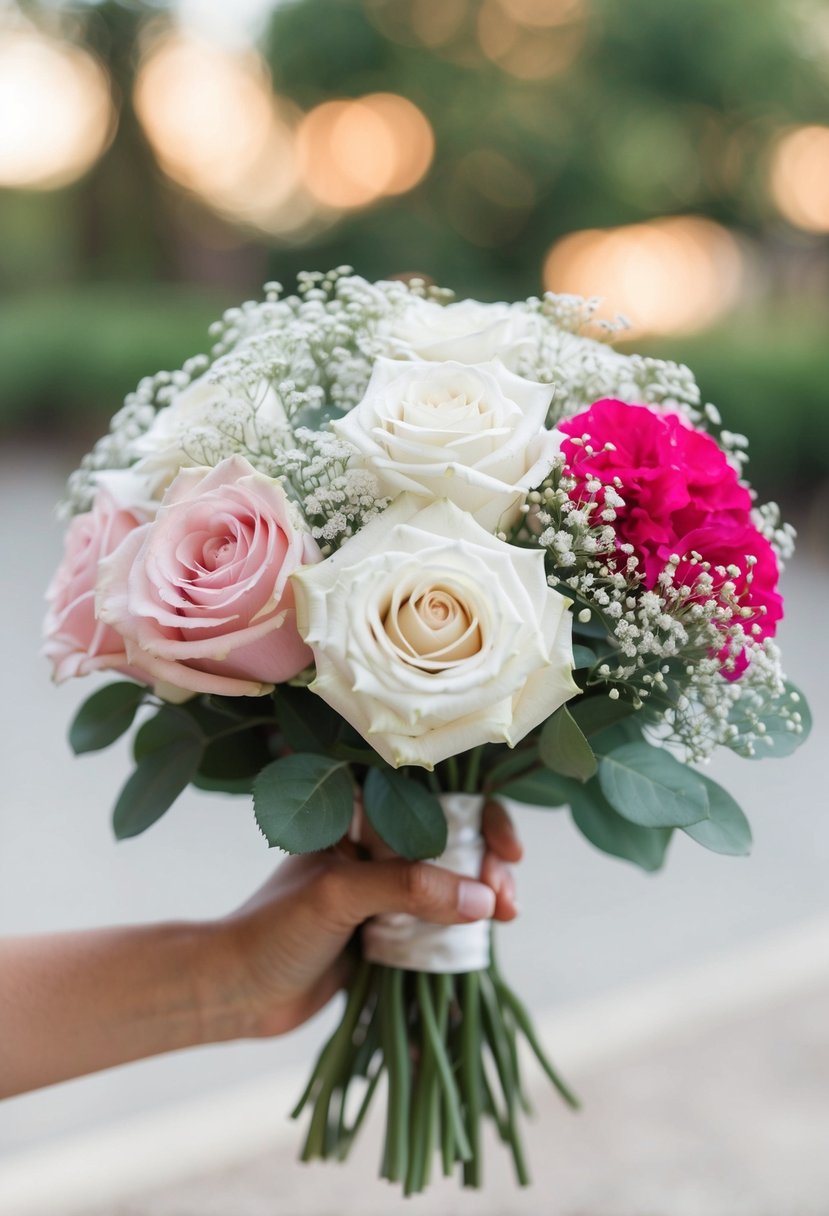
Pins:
x: 360, y: 890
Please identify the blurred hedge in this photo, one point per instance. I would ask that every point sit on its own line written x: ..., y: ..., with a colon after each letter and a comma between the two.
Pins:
x: 769, y: 377
x: 68, y: 358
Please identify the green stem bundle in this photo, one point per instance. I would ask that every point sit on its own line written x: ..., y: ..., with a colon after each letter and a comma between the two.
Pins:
x: 448, y: 1045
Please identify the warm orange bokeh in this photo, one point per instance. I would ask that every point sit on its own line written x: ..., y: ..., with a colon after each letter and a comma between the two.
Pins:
x: 671, y: 275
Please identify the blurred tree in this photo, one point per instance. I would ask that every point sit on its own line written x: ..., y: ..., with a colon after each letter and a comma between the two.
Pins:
x: 549, y: 116
x: 639, y: 109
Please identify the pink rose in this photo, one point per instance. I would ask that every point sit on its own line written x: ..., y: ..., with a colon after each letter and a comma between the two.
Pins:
x: 202, y: 595
x: 77, y: 643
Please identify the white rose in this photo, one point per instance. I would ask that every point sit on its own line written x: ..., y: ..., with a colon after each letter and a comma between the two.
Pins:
x: 199, y: 413
x: 471, y: 433
x: 468, y: 331
x: 431, y: 636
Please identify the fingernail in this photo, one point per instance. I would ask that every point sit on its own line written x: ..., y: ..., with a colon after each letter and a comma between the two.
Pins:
x: 476, y: 901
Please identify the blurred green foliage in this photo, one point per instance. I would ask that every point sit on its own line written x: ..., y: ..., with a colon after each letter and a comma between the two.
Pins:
x: 664, y: 108
x: 647, y: 109
x: 769, y: 377
x: 70, y: 355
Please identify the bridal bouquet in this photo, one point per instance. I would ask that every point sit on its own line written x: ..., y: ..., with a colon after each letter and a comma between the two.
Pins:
x: 385, y: 544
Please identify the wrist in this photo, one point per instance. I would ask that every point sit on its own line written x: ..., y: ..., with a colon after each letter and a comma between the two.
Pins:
x: 224, y: 1001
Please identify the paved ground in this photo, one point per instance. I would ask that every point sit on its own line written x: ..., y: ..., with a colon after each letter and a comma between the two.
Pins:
x: 732, y: 1121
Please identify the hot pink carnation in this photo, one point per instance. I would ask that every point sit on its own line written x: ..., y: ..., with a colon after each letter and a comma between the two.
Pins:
x: 680, y: 494
x: 77, y: 642
x: 202, y: 595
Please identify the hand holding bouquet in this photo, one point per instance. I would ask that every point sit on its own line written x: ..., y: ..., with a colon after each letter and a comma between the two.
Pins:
x: 429, y: 552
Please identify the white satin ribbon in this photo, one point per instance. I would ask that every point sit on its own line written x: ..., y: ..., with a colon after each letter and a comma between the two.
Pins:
x: 399, y: 940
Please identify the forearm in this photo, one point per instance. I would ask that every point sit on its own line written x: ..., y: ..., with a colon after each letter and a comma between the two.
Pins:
x: 75, y: 1003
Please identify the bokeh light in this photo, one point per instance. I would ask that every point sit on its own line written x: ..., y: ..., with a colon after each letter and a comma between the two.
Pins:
x: 799, y: 177
x: 532, y: 39
x: 544, y: 13
x: 354, y: 152
x: 436, y: 22
x: 56, y: 112
x: 673, y: 275
x: 216, y: 128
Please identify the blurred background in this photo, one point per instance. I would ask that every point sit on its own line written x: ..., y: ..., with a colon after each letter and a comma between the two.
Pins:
x: 158, y: 163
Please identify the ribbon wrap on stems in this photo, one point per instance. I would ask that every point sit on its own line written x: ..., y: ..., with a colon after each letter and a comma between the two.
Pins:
x: 399, y: 940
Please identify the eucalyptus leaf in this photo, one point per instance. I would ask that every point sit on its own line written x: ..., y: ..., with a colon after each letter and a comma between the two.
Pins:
x: 156, y: 783
x: 564, y: 749
x: 612, y: 833
x: 541, y: 788
x: 628, y: 730
x: 105, y: 716
x: 648, y: 786
x: 303, y: 802
x: 779, y: 738
x: 583, y: 656
x: 404, y: 814
x: 727, y: 831
x: 595, y: 712
x: 510, y: 765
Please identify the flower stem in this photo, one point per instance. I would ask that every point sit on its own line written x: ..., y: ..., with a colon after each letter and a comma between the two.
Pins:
x: 471, y: 1074
x: 473, y: 770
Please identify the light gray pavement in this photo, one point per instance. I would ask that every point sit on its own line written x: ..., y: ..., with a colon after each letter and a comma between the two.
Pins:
x: 590, y: 924
x: 727, y: 1123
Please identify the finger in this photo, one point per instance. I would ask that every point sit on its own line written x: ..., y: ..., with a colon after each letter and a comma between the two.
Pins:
x: 352, y: 892
x: 500, y: 834
x: 497, y: 875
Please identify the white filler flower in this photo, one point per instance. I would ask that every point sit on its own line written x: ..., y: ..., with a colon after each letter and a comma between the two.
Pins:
x: 431, y: 636
x: 471, y: 433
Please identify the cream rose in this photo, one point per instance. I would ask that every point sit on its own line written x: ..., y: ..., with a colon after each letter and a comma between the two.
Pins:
x: 202, y: 595
x: 469, y: 332
x: 431, y: 636
x: 471, y: 433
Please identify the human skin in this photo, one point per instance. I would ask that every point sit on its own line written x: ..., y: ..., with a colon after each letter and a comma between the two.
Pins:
x: 75, y: 1003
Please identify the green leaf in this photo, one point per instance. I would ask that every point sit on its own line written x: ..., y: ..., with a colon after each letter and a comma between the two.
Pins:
x: 157, y: 781
x: 223, y: 785
x: 510, y: 764
x: 306, y: 721
x: 236, y: 757
x: 564, y: 749
x: 105, y: 716
x: 728, y: 830
x: 595, y: 712
x: 303, y: 802
x: 628, y: 730
x: 404, y: 814
x: 541, y: 788
x: 171, y: 725
x: 600, y: 824
x: 648, y: 786
x: 779, y: 739
x: 583, y: 656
